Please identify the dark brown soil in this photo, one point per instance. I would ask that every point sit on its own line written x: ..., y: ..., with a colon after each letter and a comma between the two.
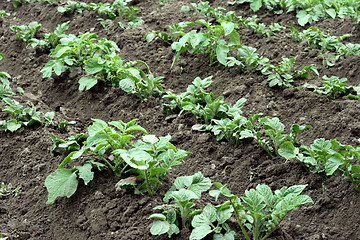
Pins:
x: 97, y: 211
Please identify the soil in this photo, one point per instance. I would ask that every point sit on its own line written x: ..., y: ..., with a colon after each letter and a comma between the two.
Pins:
x: 97, y: 211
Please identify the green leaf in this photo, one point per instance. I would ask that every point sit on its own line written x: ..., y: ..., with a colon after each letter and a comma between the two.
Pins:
x: 137, y: 158
x: 227, y: 236
x: 171, y: 216
x: 152, y: 139
x: 127, y: 85
x: 93, y: 66
x: 332, y: 164
x: 200, y: 232
x: 331, y: 12
x: 235, y: 38
x: 287, y: 150
x: 59, y: 68
x: 221, y: 53
x: 163, y: 142
x: 228, y: 27
x: 61, y: 183
x: 256, y: 5
x: 207, y: 217
x: 159, y: 227
x: 13, y: 125
x: 184, y: 195
x: 303, y: 17
x: 96, y: 139
x: 85, y: 173
x: 47, y: 70
x: 157, y: 216
x: 87, y: 83
x: 97, y: 126
x: 265, y: 192
x: 150, y: 36
x: 300, y: 200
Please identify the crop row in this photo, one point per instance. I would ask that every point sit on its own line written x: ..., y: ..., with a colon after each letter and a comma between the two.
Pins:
x: 115, y: 145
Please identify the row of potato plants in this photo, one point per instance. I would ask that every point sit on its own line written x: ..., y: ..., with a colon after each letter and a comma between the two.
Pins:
x: 308, y: 11
x: 97, y: 57
x: 209, y: 112
x: 151, y: 158
x: 107, y: 10
x: 315, y: 37
x: 212, y: 43
x: 261, y: 211
x: 20, y: 116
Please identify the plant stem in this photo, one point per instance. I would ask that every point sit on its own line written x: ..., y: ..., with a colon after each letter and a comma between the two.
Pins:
x: 104, y: 159
x: 148, y: 184
x: 239, y: 220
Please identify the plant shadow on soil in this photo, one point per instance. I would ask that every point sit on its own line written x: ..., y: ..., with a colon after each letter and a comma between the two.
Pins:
x: 97, y: 211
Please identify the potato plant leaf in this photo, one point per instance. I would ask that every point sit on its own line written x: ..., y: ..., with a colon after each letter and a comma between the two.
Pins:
x: 86, y: 83
x: 61, y: 183
x: 160, y: 227
x: 85, y: 173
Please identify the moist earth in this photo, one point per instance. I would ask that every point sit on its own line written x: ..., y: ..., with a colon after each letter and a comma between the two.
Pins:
x: 97, y: 211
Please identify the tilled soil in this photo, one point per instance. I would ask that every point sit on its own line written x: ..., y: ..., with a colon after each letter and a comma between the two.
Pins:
x: 97, y: 211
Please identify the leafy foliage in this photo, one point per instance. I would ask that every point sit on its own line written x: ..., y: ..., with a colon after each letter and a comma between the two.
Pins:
x: 336, y: 88
x: 329, y: 156
x: 51, y: 40
x: 180, y: 213
x: 151, y: 158
x: 20, y: 116
x: 307, y: 11
x: 260, y: 210
x: 25, y: 32
x: 331, y: 46
x: 4, y: 13
x: 112, y: 147
x: 110, y: 11
x: 282, y: 75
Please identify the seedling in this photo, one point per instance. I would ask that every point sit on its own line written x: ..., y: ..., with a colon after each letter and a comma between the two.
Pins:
x: 72, y: 7
x: 335, y: 87
x: 210, y: 42
x: 329, y: 156
x: 4, y: 13
x: 73, y: 51
x: 25, y: 33
x: 5, y: 192
x: 180, y: 213
x: 282, y: 76
x: 51, y: 40
x: 21, y: 116
x: 102, y: 138
x: 260, y: 210
x: 18, y: 3
x: 151, y: 158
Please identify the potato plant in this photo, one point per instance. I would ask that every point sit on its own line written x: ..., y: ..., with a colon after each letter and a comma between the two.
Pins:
x: 112, y: 147
x: 336, y: 87
x: 21, y: 116
x: 51, y: 40
x: 260, y: 211
x: 329, y: 156
x: 25, y: 32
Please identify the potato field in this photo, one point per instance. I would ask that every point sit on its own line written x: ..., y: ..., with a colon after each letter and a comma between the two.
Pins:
x: 166, y: 119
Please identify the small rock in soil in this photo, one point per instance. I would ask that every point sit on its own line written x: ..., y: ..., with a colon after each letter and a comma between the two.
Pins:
x: 203, y: 138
